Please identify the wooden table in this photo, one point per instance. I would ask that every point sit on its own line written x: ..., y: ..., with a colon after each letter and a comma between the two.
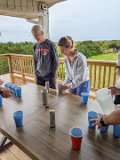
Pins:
x: 41, y: 142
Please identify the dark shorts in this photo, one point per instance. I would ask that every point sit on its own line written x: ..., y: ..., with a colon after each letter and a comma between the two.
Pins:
x: 84, y: 87
x: 52, y: 81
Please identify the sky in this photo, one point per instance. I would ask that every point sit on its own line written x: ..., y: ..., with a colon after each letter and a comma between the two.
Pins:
x: 81, y: 19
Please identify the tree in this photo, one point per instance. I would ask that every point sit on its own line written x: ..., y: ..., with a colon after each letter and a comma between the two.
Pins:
x: 114, y: 45
x: 89, y: 48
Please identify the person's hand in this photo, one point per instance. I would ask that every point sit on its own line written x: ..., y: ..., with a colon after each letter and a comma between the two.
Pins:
x: 6, y: 93
x: 64, y: 87
x: 96, y: 121
x: 114, y: 90
x: 1, y: 82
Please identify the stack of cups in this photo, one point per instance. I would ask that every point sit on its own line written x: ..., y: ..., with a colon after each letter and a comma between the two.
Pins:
x: 116, y: 131
x: 76, y: 138
x: 92, y: 115
x: 16, y: 91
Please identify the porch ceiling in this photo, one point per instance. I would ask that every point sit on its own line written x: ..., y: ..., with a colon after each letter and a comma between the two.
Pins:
x: 26, y: 8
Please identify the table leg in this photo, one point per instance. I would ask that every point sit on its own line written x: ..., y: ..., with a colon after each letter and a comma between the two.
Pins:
x: 4, y: 142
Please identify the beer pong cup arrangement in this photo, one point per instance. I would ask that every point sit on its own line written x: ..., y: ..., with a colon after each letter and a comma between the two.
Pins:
x: 16, y: 91
x: 18, y: 118
x: 85, y: 96
x: 76, y: 138
x: 116, y: 128
x: 91, y: 115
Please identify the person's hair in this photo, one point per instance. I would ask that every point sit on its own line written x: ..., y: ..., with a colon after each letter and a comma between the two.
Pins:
x: 66, y: 42
x: 37, y: 29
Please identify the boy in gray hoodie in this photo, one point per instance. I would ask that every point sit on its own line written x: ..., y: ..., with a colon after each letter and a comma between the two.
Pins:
x: 45, y: 58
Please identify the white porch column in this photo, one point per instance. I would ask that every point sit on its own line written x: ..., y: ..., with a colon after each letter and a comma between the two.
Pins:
x: 44, y: 22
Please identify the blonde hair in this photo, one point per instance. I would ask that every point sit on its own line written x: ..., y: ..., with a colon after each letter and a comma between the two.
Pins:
x: 37, y: 29
x: 66, y: 42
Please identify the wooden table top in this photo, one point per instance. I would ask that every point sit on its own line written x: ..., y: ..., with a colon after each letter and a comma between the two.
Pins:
x: 41, y: 142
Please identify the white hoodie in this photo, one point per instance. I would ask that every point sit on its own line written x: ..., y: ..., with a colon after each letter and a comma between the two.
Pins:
x: 77, y: 72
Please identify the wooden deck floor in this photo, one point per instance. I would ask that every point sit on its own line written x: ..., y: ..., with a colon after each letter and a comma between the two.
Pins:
x: 5, y: 77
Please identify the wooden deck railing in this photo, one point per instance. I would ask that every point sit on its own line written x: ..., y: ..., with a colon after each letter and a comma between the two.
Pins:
x: 102, y: 73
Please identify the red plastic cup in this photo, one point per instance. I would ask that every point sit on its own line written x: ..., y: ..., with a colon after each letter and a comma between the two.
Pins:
x: 76, y: 138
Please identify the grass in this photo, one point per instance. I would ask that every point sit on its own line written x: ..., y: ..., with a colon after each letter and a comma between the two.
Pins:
x: 108, y: 56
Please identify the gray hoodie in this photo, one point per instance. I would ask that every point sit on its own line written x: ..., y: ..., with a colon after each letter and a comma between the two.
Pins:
x: 45, y: 59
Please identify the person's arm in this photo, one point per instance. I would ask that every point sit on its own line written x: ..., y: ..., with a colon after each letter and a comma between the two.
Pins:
x: 67, y: 78
x: 35, y: 59
x: 111, y: 119
x: 114, y: 90
x: 55, y: 58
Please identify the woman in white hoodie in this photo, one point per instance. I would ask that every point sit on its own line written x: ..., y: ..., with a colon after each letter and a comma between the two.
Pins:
x: 76, y: 69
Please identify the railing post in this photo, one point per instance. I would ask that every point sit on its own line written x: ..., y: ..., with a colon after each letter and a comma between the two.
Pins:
x: 10, y: 69
x: 22, y: 70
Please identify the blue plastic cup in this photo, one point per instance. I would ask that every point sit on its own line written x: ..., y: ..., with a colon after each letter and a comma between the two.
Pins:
x: 7, y: 85
x: 105, y: 129
x: 84, y: 97
x: 91, y: 115
x: 12, y: 89
x: 18, y: 118
x: 17, y: 91
x: 116, y: 131
x: 10, y: 86
x: 0, y: 100
x: 60, y: 90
